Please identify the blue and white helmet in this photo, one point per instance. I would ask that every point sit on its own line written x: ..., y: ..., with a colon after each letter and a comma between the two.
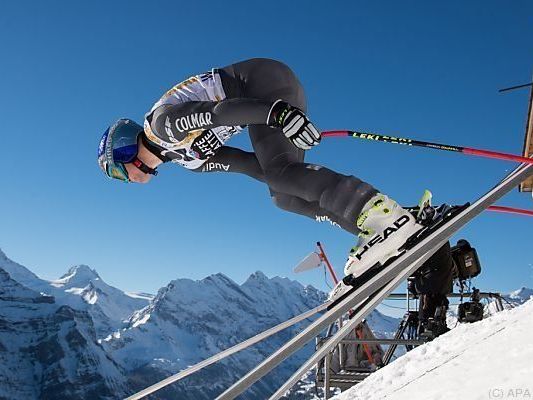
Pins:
x: 119, y: 146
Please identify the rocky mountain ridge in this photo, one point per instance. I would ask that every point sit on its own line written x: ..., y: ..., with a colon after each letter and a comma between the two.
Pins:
x: 78, y: 337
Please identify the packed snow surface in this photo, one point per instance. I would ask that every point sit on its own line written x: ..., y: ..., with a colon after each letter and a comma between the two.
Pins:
x: 490, y: 359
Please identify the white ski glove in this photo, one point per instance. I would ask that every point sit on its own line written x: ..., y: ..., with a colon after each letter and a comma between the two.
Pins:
x: 295, y: 125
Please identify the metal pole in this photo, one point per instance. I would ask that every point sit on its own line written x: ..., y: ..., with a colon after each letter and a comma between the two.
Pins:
x: 226, y: 353
x: 420, y: 143
x: 327, y: 368
x: 511, y: 210
x: 515, y: 87
x: 407, y: 299
x: 499, y: 304
x: 325, y: 258
x: 340, y: 349
x: 401, y: 342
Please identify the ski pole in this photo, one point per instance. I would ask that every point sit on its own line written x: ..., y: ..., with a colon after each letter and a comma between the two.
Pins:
x: 510, y: 210
x: 358, y: 329
x: 438, y: 146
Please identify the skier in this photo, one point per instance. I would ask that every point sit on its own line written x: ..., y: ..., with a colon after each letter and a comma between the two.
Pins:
x: 191, y: 123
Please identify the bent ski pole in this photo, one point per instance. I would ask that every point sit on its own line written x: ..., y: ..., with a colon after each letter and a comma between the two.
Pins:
x: 411, y: 142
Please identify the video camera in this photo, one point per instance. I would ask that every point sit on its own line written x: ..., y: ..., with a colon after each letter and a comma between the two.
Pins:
x: 466, y: 261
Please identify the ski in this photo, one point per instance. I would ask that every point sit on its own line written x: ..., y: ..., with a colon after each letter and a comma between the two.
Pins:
x: 437, y: 218
x: 356, y: 317
x: 368, y: 295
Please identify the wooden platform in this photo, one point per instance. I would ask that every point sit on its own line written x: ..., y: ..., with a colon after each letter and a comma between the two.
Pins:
x: 527, y: 185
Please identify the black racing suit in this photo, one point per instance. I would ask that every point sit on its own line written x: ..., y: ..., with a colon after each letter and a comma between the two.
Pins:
x: 251, y: 87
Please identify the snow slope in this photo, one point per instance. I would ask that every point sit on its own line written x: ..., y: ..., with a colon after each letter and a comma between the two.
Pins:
x: 488, y: 359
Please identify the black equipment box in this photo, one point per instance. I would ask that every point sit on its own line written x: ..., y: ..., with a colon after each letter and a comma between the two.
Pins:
x: 470, y: 311
x: 466, y: 260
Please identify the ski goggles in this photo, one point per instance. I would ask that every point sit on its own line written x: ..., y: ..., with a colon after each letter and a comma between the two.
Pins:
x: 118, y: 171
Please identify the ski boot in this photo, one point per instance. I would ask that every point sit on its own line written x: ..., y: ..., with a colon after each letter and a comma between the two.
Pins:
x: 384, y: 228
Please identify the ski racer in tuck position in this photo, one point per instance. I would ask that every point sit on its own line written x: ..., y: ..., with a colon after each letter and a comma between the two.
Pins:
x: 191, y: 123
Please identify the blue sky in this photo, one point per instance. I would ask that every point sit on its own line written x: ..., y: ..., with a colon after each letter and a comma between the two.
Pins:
x: 430, y: 70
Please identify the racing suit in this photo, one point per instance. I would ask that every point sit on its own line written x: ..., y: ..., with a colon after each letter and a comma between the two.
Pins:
x: 191, y: 123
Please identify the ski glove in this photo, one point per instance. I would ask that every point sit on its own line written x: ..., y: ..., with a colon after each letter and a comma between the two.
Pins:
x: 295, y: 125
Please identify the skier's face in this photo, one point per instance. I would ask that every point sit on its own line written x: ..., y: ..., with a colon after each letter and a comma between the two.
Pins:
x: 136, y: 175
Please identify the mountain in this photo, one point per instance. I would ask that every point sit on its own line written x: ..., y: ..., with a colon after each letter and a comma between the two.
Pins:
x: 521, y: 295
x: 21, y: 274
x: 82, y: 289
x: 189, y: 321
x: 78, y: 337
x: 487, y: 359
x: 12, y: 291
x: 49, y: 350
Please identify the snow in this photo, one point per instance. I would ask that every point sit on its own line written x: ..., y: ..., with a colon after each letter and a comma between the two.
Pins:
x: 143, y: 296
x: 90, y: 298
x: 78, y: 291
x: 141, y: 321
x: 483, y: 360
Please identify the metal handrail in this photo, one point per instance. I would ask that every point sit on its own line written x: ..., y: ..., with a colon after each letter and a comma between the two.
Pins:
x: 232, y: 350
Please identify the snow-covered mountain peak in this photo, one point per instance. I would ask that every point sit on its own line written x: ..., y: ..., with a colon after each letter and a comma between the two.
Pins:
x: 11, y: 290
x: 49, y: 350
x: 258, y: 285
x: 76, y: 276
x: 259, y: 279
x: 172, y: 288
x: 257, y: 276
x: 218, y: 279
x: 523, y: 294
x: 217, y: 276
x: 81, y: 288
x: 20, y: 273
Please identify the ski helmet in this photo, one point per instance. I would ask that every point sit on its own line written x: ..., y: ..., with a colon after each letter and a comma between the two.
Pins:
x: 118, y: 146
